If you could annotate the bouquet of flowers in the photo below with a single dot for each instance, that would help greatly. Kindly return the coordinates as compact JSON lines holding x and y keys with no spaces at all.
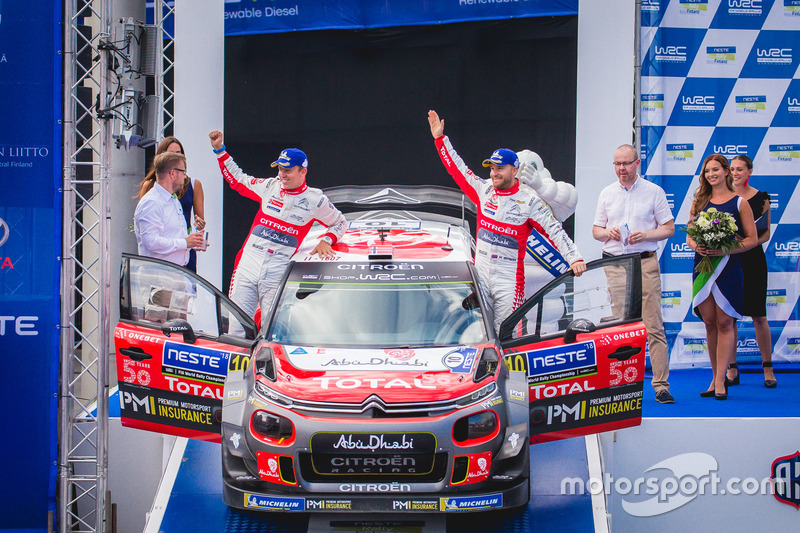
{"x":715,"y":230}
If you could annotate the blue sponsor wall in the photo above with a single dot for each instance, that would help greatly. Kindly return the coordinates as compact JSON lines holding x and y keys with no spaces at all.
{"x":30,"y":243}
{"x":247,"y":17}
{"x":721,"y":76}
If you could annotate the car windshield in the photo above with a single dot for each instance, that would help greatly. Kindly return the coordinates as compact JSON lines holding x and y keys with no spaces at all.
{"x":378,"y":314}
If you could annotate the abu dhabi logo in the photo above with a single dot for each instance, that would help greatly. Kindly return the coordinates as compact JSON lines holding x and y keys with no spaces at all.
{"x":4,"y":232}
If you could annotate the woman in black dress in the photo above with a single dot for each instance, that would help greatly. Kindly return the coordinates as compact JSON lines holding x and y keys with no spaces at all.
{"x":754,"y":268}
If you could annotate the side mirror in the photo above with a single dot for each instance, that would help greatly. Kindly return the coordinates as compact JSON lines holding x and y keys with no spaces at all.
{"x":579,"y":325}
{"x":179,"y":325}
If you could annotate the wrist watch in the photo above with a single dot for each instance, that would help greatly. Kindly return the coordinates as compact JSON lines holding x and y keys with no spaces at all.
{"x":327,"y":239}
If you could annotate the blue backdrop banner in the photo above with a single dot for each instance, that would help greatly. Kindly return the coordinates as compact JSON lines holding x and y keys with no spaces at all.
{"x":30,"y":246}
{"x":243,"y":17}
{"x":722,"y":78}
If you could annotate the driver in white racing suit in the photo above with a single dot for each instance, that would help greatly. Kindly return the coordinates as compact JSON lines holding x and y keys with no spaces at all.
{"x":289,"y":208}
{"x":507,"y":213}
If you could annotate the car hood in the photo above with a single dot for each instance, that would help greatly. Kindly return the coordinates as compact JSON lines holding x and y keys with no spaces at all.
{"x":396,"y":375}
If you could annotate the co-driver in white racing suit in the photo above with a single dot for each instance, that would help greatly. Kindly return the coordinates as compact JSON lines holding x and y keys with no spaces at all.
{"x":507,"y":214}
{"x":289,"y":207}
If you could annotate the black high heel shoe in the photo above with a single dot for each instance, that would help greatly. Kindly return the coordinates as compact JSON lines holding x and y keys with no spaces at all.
{"x":708,"y":393}
{"x":734,"y":381}
{"x":724,"y":395}
{"x":769,"y":383}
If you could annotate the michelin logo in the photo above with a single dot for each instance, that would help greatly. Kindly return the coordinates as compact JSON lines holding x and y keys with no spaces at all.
{"x":472,"y":503}
{"x":253,"y":501}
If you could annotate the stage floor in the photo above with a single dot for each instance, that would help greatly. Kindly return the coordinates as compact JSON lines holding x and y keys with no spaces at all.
{"x":750,"y":399}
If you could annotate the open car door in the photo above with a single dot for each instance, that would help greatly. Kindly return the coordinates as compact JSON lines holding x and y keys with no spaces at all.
{"x":176,"y":340}
{"x":581,"y":342}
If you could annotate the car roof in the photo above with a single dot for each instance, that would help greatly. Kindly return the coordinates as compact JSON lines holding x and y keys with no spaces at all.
{"x":395,"y":235}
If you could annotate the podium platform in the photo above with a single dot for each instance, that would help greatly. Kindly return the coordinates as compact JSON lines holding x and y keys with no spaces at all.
{"x":190,"y":500}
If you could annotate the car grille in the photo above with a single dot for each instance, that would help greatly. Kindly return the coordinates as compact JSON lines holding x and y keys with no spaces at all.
{"x":385,"y":463}
{"x":362,"y":456}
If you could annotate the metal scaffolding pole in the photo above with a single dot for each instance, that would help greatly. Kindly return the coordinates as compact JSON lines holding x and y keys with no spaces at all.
{"x":83,"y":405}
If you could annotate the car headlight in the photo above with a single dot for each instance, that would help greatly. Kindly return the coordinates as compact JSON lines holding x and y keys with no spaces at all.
{"x":484,"y":392}
{"x":475,"y":428}
{"x":265,"y":363}
{"x":487,"y":365}
{"x":272,"y":426}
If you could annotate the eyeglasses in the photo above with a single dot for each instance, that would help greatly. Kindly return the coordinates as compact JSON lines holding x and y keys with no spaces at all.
{"x":179,"y":170}
{"x":624,"y":163}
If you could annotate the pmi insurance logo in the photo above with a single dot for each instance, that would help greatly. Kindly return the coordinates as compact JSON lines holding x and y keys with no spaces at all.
{"x":693,"y":7}
{"x":791,"y":8}
{"x":784,"y":152}
{"x":680,"y":152}
{"x":720,"y":54}
{"x":751,"y":104}
{"x":652,"y":102}
{"x":785,"y":475}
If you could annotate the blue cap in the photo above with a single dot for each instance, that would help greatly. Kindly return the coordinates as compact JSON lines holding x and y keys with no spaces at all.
{"x":291,"y":157}
{"x":502,"y":156}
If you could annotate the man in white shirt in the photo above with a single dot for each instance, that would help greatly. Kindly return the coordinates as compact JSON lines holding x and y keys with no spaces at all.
{"x":632,"y":217}
{"x":158,"y":220}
